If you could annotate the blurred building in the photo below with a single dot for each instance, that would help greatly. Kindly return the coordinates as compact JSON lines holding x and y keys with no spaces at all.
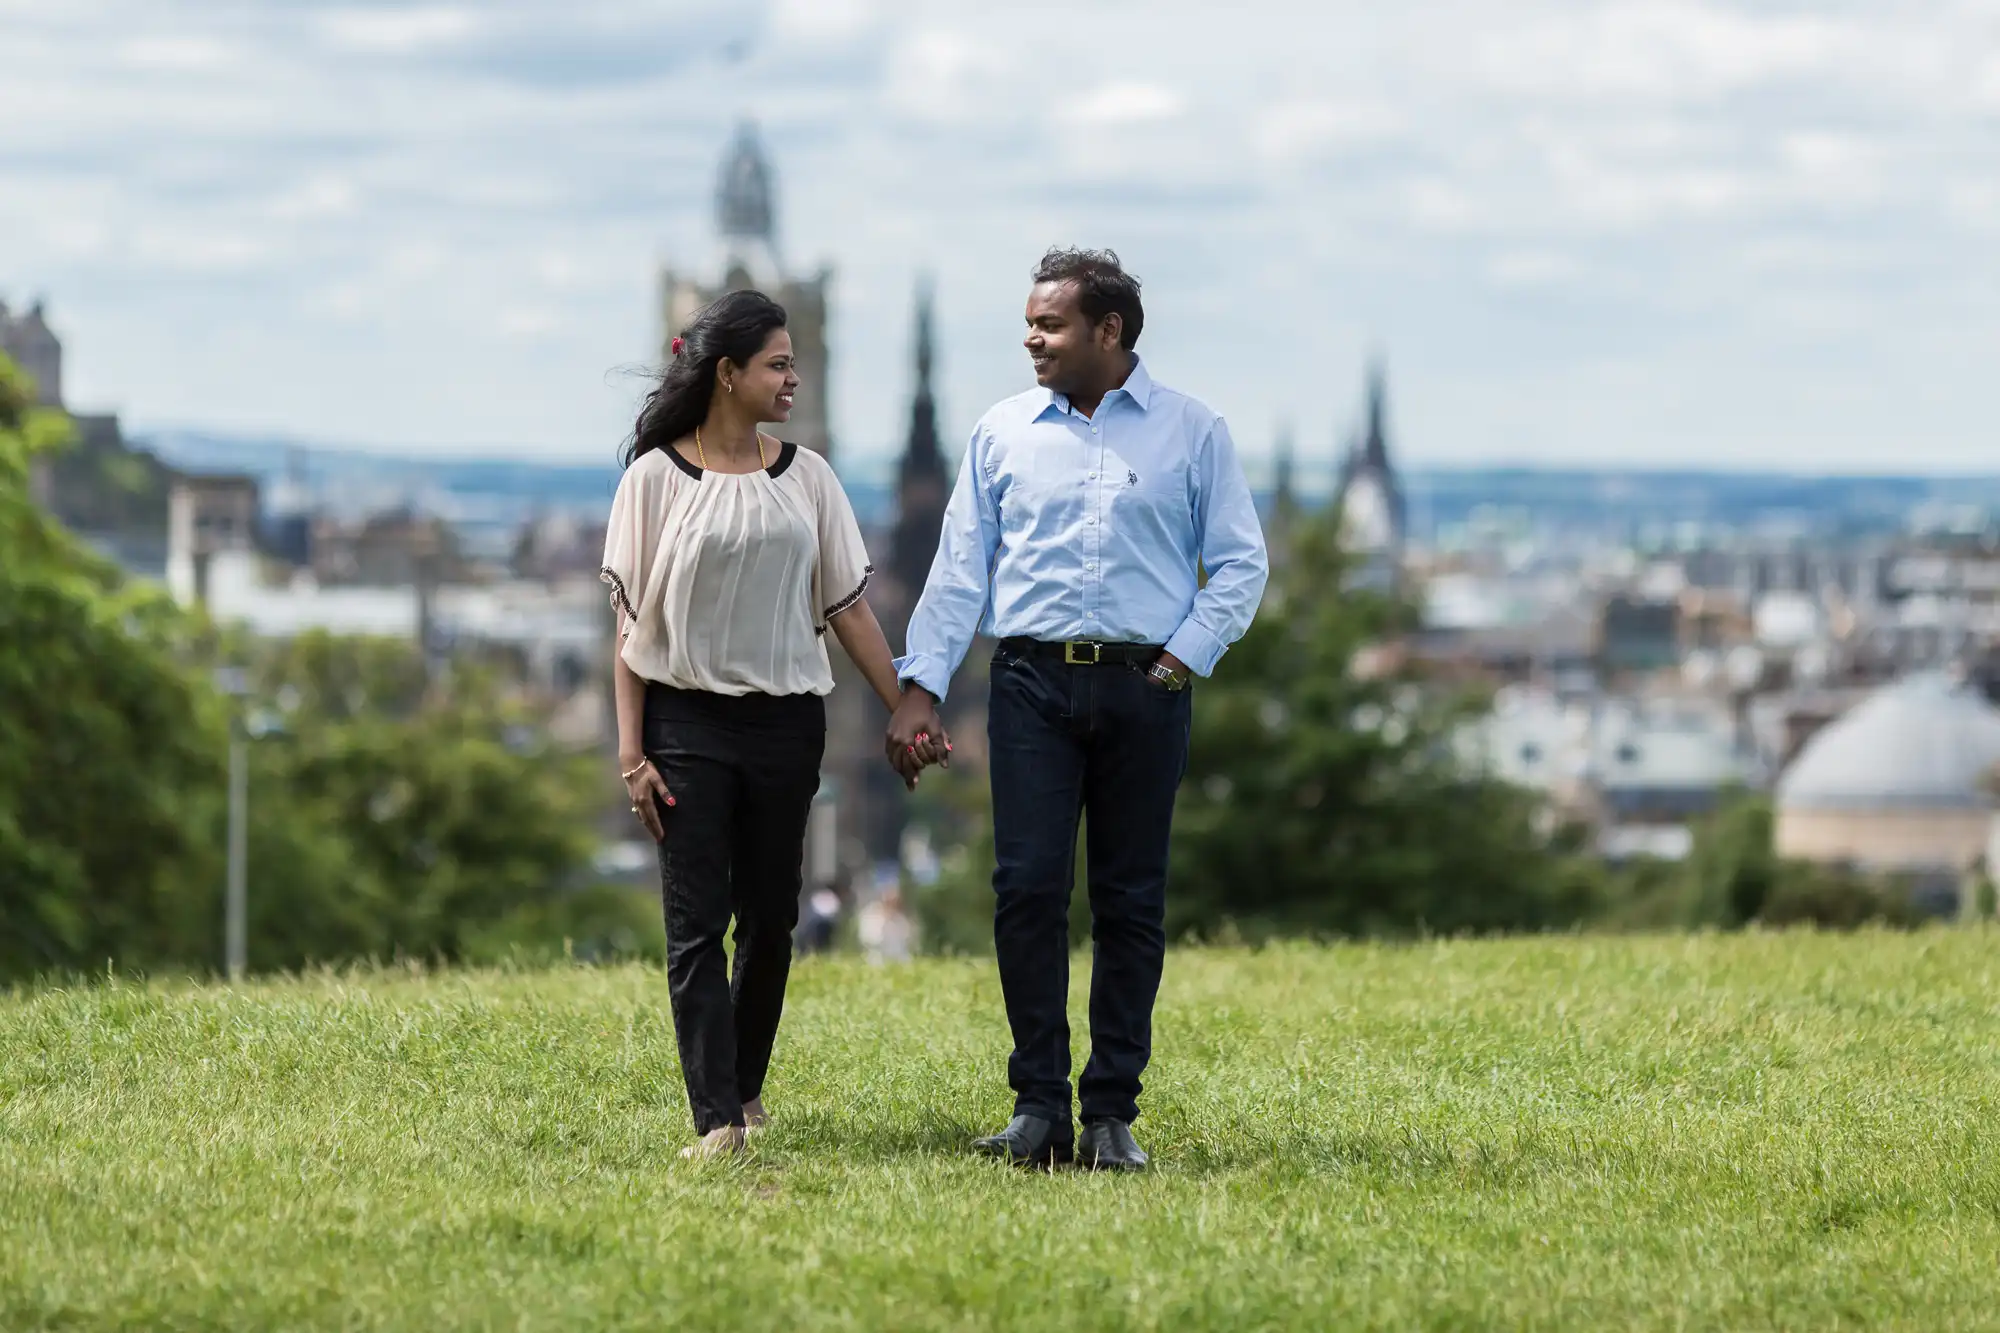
{"x":746,"y":214}
{"x":1639,"y":772}
{"x":1374,"y":518}
{"x":110,"y":494}
{"x":29,"y":343}
{"x":1900,"y":784}
{"x":206,"y":517}
{"x":551,"y":547}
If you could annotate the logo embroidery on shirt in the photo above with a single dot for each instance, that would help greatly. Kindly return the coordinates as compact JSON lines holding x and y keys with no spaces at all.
{"x":1131,"y":479}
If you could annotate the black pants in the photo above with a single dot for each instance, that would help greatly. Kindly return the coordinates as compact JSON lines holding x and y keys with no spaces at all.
{"x":743,"y":772}
{"x":1066,"y":740}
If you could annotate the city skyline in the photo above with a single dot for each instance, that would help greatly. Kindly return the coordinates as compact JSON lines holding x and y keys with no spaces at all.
{"x":1583,"y":234}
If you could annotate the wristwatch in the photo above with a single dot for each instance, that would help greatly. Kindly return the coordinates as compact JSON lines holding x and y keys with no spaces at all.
{"x":1175,"y":681}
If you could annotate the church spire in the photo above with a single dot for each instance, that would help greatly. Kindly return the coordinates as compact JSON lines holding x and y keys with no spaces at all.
{"x":1373,"y":513}
{"x":923,"y":459}
{"x":1375,"y":446}
{"x":746,"y":213}
{"x":743,"y":193}
{"x":924,"y":337}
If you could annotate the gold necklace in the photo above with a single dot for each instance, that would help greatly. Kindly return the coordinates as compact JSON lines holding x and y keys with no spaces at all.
{"x":761,"y":464}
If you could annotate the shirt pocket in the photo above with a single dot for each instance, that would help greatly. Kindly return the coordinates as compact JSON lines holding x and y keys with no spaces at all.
{"x":1157,"y":495}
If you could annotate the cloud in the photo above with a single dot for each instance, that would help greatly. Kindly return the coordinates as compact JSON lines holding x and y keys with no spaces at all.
{"x":180,"y":54}
{"x":1305,"y":128}
{"x":315,"y":199}
{"x":461,"y":207}
{"x":397,"y":31}
{"x":1126,"y":104}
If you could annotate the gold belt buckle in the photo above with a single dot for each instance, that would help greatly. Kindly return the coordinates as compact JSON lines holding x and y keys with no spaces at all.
{"x":1071,"y":647}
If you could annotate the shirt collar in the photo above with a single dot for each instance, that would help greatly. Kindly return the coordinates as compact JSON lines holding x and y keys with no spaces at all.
{"x":1138,"y":386}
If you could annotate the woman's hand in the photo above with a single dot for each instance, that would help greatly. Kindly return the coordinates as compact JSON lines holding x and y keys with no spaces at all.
{"x":915,"y":738}
{"x":646,"y":787}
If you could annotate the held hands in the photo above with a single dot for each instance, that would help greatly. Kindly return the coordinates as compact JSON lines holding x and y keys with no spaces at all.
{"x":648,"y":791}
{"x":915,"y":739}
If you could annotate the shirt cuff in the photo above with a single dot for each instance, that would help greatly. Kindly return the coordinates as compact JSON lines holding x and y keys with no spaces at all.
{"x":925,"y":670}
{"x":1197,"y":647}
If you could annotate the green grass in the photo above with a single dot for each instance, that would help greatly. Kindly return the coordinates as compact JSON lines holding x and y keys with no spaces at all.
{"x":1793,"y":1131}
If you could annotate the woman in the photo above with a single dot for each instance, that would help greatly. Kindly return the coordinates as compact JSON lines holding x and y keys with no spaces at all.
{"x":729,"y":555}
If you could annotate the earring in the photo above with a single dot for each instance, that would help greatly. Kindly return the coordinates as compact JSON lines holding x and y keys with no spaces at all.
{"x":729,"y":386}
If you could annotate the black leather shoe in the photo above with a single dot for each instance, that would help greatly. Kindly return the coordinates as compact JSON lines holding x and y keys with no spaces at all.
{"x":1107,"y":1146}
{"x":1029,"y":1140}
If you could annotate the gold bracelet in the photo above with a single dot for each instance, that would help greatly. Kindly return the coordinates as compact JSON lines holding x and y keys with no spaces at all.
{"x":627,"y":777}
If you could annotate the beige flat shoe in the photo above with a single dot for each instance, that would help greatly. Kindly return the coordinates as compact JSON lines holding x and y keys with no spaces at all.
{"x":755,"y":1117}
{"x":725,"y":1142}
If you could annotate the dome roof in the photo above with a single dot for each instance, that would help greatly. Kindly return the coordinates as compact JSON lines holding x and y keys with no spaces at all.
{"x":1925,"y":743}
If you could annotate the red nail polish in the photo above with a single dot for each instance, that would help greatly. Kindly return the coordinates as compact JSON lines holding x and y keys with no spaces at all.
{"x":670,"y":800}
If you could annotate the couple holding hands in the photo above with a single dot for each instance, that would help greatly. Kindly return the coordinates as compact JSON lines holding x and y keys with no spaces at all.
{"x":1100,"y":530}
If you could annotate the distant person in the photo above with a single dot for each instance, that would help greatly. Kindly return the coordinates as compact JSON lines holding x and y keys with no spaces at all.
{"x":884,"y":930}
{"x":1085,"y":514}
{"x":818,"y":921}
{"x":729,"y":555}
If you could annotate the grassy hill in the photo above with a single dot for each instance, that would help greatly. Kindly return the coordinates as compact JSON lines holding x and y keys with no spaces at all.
{"x":1756,"y":1131}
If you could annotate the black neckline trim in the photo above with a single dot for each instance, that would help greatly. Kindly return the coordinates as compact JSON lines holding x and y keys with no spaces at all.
{"x":787,"y":451}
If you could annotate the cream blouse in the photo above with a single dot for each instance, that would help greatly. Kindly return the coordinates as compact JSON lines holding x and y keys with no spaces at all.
{"x":726,"y":582}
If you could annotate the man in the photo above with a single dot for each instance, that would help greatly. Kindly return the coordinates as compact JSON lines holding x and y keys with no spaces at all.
{"x":1083,"y":517}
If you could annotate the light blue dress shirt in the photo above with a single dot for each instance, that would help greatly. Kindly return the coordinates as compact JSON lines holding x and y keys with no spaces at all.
{"x":1063,"y":526}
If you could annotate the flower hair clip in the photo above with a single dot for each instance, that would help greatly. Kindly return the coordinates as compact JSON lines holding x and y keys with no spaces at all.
{"x":678,"y":344}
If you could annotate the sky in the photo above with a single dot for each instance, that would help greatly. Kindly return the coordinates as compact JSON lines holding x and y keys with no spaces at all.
{"x":1729,"y":233}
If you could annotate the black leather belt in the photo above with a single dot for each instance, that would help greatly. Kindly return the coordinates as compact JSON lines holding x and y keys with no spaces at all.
{"x":1086,"y":652}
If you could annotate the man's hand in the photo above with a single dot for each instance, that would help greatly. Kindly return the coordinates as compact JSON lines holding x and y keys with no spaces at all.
{"x":1175,"y":665}
{"x":915,"y":738}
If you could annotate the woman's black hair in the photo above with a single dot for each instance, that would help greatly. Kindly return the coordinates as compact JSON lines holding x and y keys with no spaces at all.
{"x":735,"y":326}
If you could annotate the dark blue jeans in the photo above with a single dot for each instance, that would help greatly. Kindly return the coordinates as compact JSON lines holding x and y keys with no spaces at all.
{"x":1066,"y":740}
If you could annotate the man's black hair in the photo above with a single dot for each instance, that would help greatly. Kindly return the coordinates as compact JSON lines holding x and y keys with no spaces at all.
{"x":1103,"y":287}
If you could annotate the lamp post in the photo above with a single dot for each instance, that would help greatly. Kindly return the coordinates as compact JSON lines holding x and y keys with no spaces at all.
{"x":243,"y":728}
{"x":235,"y":682}
{"x":236,"y":901}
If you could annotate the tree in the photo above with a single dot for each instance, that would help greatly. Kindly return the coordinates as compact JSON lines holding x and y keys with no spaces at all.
{"x":395,"y":814}
{"x":1325,"y":799}
{"x":451,"y":807}
{"x":107,"y":746}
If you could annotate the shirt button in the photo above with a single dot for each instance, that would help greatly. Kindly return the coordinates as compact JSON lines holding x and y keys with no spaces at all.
{"x":1092,"y":520}
{"x":1093,"y":430}
{"x":1091,"y":568}
{"x":1093,"y":476}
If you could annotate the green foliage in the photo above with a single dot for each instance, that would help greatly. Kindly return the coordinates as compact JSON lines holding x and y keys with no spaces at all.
{"x":107,"y":746}
{"x":390,"y":814}
{"x":450,"y":810}
{"x":1325,"y":800}
{"x":602,"y":923}
{"x":1734,"y":877}
{"x":1734,"y":869}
